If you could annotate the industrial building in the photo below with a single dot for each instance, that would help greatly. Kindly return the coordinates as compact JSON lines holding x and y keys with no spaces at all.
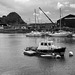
{"x":67,"y":21}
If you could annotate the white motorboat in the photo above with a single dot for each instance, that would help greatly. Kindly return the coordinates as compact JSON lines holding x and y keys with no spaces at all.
{"x":29,"y":52}
{"x":47,"y":55}
{"x":61,"y":34}
{"x":47,"y":47}
{"x":34,"y":34}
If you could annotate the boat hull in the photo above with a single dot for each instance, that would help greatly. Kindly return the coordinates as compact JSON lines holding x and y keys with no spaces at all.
{"x":33,"y":35}
{"x":60,"y":51}
{"x":30,"y":51}
{"x":61,"y":34}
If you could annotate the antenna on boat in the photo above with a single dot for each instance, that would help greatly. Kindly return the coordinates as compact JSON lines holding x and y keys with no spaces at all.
{"x":35,"y":17}
{"x":60,"y":18}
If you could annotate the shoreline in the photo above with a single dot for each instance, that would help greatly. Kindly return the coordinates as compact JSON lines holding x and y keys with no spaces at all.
{"x":29,"y":30}
{"x":14,"y":31}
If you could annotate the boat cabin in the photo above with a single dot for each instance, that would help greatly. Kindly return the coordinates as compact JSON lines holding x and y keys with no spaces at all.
{"x":45,"y":45}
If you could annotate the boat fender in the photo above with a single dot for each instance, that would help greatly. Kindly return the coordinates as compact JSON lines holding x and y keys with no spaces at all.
{"x":58,"y":56}
{"x":53,"y":54}
{"x":70,"y":53}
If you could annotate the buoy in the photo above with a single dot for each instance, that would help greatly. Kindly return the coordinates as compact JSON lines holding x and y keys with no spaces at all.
{"x":58,"y":56}
{"x":70,"y":53}
{"x":53,"y":54}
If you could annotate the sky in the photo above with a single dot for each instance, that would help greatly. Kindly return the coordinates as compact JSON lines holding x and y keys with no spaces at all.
{"x":26,"y":9}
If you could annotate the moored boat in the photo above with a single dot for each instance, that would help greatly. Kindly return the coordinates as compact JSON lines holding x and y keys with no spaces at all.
{"x":45,"y":49}
{"x":34,"y":34}
{"x":73,"y":35}
{"x":61,"y":34}
{"x":29,"y":52}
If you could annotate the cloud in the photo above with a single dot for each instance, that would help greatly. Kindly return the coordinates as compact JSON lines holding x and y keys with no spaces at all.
{"x":59,"y":5}
{"x":35,"y":14}
{"x":63,"y":4}
{"x":22,"y":1}
{"x":40,"y":12}
{"x":66,"y":4}
{"x":46,"y":12}
{"x":26,"y":7}
{"x":66,"y":10}
{"x":72,"y":5}
{"x":5,"y":9}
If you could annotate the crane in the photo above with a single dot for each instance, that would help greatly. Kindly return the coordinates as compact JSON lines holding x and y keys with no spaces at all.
{"x":46,"y":15}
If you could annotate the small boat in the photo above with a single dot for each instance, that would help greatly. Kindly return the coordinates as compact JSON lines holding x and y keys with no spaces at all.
{"x":34,"y":34}
{"x":61,"y":34}
{"x":47,"y":56}
{"x":45,"y":49}
{"x":29,"y":53}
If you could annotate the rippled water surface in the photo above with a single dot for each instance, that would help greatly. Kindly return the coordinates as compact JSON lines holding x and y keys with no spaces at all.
{"x":13,"y":62}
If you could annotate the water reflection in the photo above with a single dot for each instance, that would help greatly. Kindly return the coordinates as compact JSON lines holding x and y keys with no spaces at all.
{"x":49,"y":66}
{"x":11,"y":56}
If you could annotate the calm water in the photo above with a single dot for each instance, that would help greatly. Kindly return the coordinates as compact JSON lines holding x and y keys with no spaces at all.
{"x":13,"y":62}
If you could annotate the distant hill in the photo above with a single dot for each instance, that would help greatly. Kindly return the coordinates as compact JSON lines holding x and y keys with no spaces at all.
{"x":11,"y":19}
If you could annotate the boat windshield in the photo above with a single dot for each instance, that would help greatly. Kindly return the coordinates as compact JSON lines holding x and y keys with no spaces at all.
{"x":45,"y":44}
{"x":42,"y":43}
{"x":49,"y":44}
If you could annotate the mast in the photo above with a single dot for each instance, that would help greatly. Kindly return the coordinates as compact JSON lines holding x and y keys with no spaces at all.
{"x":35,"y":17}
{"x":60,"y":18}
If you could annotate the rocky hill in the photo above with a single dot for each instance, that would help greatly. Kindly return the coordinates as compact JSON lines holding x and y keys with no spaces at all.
{"x":11,"y":19}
